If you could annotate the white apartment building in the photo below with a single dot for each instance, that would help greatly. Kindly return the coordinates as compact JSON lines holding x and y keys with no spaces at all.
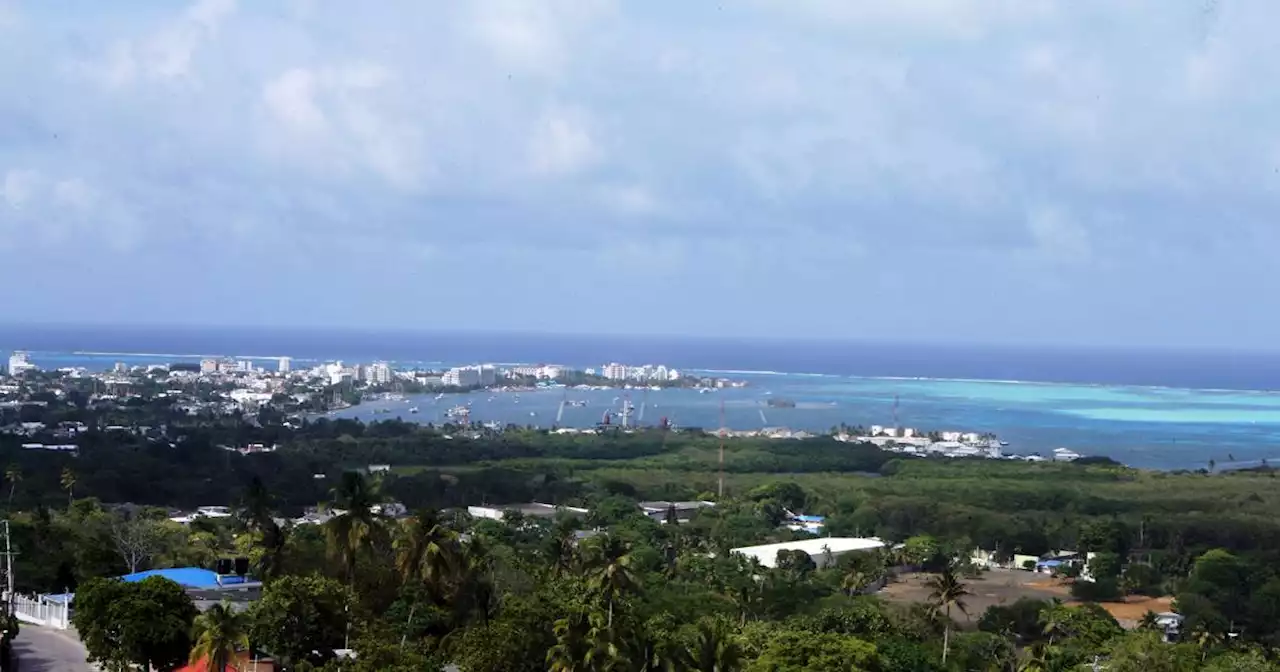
{"x":378,"y":373}
{"x":468,"y":376}
{"x":286,"y":365}
{"x":614,"y":371}
{"x":19,"y":364}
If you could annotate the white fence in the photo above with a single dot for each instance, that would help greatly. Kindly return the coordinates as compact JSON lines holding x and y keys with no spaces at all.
{"x":43,"y":611}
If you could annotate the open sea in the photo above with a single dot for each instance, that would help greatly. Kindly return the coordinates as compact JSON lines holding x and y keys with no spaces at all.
{"x":1152,"y":409}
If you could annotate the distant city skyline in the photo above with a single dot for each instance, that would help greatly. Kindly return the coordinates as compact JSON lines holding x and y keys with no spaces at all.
{"x":924,"y":170}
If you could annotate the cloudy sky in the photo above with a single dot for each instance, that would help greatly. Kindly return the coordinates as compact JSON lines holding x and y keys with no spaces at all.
{"x":1028,"y":171}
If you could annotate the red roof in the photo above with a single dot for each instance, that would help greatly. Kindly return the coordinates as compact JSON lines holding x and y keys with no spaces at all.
{"x":201,"y":666}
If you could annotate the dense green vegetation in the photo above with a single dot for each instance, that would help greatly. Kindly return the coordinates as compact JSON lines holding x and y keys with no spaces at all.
{"x":527,"y":594}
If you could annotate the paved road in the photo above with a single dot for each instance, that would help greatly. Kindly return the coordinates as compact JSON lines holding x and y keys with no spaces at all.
{"x":40,"y":649}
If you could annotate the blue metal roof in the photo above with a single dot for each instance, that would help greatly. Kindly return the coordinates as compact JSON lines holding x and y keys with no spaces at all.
{"x":187,"y":577}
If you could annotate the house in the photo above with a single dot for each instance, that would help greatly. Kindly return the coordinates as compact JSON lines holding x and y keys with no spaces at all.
{"x":245,"y":663}
{"x":684,"y":510}
{"x":1170,"y":623}
{"x":824,"y":551}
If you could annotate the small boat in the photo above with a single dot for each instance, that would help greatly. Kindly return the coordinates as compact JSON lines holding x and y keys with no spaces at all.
{"x":413,"y":410}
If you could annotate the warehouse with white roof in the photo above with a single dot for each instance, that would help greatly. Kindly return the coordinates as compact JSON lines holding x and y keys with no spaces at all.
{"x":824,"y":550}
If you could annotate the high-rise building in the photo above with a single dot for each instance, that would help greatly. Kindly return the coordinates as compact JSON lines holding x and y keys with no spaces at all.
{"x":19,"y":364}
{"x":470,"y":376}
{"x":378,"y":373}
{"x":285,"y":364}
{"x":615,"y":371}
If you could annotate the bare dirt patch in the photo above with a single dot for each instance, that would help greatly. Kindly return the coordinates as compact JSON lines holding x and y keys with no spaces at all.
{"x":1004,"y":586}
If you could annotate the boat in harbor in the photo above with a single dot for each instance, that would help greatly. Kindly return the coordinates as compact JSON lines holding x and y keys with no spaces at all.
{"x":413,"y":409}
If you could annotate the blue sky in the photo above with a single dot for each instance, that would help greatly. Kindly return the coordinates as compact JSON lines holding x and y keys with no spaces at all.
{"x":1027,"y":171}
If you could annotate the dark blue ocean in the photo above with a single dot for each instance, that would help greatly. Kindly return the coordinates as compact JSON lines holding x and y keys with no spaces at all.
{"x":1148,"y":408}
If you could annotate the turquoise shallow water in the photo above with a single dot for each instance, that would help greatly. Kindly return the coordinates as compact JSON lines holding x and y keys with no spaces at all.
{"x":1163,"y":428}
{"x":1170,"y":427}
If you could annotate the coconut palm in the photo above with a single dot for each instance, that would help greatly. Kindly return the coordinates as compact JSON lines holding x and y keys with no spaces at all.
{"x":580,"y":644}
{"x":1149,"y":621}
{"x":255,"y":514}
{"x":854,"y":581}
{"x":357,"y":527}
{"x":472,"y":588}
{"x":712,"y":649}
{"x":426,"y":549}
{"x":946,"y":592}
{"x":13,"y":474}
{"x":68,"y":482}
{"x":1053,"y":620}
{"x":561,"y":546}
{"x":220,"y":633}
{"x":609,"y":572}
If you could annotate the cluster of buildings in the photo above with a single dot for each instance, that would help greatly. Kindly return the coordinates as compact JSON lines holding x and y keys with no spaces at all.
{"x":19,"y":364}
{"x":647,"y":372}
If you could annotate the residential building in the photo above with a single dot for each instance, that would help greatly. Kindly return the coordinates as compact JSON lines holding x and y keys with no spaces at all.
{"x":378,"y":373}
{"x":286,"y":365}
{"x":614,"y":371}
{"x":470,"y":376}
{"x":19,"y":364}
{"x":208,"y":366}
{"x":683,"y":510}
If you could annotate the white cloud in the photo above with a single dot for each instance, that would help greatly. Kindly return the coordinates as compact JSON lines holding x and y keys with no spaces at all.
{"x":561,"y":144}
{"x":530,"y":36}
{"x":337,"y":120}
{"x":19,"y":187}
{"x":75,"y":193}
{"x":630,"y":199}
{"x":934,"y":18}
{"x":1056,"y":236}
{"x":166,"y":54}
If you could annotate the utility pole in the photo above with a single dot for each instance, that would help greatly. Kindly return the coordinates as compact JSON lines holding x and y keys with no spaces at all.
{"x":8,"y":571}
{"x":720,"y":488}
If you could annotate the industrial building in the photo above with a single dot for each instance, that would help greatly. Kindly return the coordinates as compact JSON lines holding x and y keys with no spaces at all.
{"x":824,"y":551}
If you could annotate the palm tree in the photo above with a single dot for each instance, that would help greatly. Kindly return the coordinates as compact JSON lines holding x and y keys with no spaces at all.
{"x":1052,"y":618}
{"x":220,"y":634}
{"x":357,"y":528}
{"x":69,"y":484}
{"x":1036,"y":659}
{"x":472,"y":585}
{"x":255,"y":515}
{"x":561,"y":545}
{"x":946,"y":592}
{"x":426,"y":549}
{"x":609,"y":572}
{"x":1149,"y":621}
{"x":573,"y":648}
{"x":13,"y":474}
{"x":712,"y":649}
{"x":853,"y":582}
